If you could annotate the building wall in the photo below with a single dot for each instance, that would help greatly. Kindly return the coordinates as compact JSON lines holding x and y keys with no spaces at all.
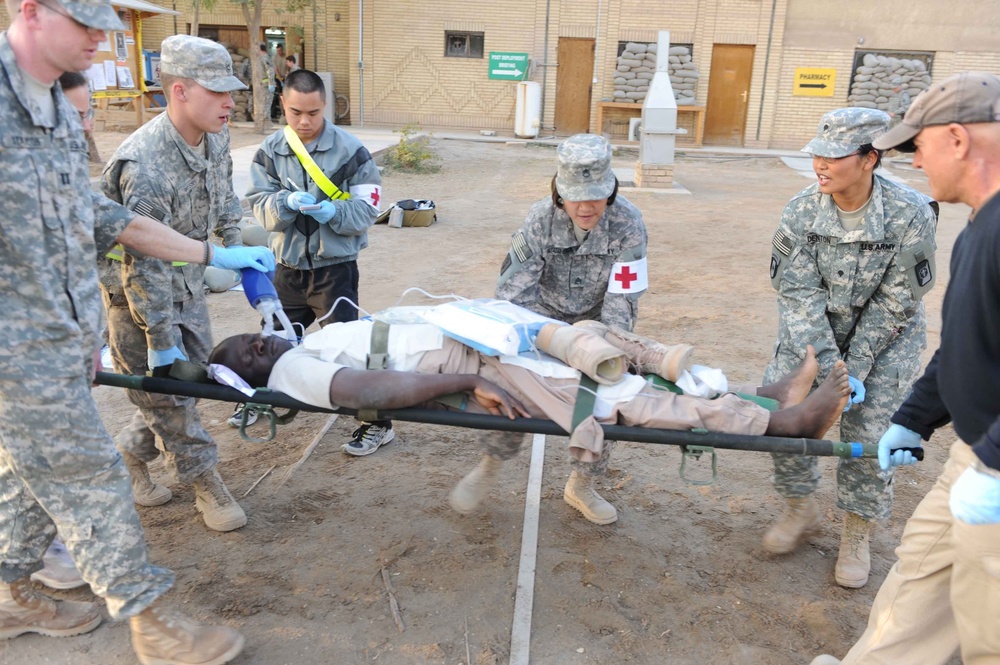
{"x":407,"y":78}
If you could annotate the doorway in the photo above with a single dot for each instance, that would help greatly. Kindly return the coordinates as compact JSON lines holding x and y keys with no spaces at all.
{"x":573,"y":85}
{"x":728,"y":94}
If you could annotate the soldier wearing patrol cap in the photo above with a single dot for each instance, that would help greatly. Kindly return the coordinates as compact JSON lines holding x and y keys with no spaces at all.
{"x":580,"y":255}
{"x":851,"y":259}
{"x":178,"y":169}
{"x":59,"y":469}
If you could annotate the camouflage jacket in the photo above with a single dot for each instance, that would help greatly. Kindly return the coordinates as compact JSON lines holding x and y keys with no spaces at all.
{"x":301,"y":242}
{"x":851,"y":293}
{"x":52,"y":227}
{"x":156,"y":173}
{"x":548,"y":271}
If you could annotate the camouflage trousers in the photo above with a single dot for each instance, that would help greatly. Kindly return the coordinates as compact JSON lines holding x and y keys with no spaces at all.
{"x":164,"y":423}
{"x":862,"y":487}
{"x":60,"y":472}
{"x":505,"y":445}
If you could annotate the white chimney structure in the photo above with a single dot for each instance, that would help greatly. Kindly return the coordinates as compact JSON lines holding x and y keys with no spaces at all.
{"x":655,"y":168}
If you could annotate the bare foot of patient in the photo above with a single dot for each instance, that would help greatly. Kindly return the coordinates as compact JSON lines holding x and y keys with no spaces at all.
{"x":817,"y":413}
{"x":793,"y":387}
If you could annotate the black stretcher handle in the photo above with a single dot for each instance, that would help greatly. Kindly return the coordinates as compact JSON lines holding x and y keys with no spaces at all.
{"x":916,"y":451}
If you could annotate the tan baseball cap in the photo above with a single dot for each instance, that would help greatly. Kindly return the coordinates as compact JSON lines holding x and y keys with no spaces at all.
{"x":965,"y":98}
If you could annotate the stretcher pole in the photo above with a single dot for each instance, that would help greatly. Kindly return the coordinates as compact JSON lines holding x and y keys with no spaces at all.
{"x":770,"y":444}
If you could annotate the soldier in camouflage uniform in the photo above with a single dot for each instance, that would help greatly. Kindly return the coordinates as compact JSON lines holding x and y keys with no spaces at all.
{"x":851,"y":260}
{"x":59,"y":471}
{"x":178,"y":169}
{"x":580,"y":255}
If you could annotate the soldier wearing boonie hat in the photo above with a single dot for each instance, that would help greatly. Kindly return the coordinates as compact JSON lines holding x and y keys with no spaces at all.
{"x":580,"y":254}
{"x":178,"y":169}
{"x":940,"y":598}
{"x":851,"y":259}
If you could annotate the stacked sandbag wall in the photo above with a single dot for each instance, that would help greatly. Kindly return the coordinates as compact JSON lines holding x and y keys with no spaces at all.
{"x":637,"y":65}
{"x":876,"y":77}
{"x":241,"y":98}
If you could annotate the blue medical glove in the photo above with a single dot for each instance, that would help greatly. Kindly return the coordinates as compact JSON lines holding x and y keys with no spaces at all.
{"x":975,"y":498}
{"x":163,"y":357}
{"x":237,"y":258}
{"x":296,"y":200}
{"x":857,"y":392}
{"x":894,"y":438}
{"x":324,"y":213}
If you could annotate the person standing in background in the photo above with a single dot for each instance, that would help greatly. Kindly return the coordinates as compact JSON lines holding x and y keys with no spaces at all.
{"x":317,"y":189}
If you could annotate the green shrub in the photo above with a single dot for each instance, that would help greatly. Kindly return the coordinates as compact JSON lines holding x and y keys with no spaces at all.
{"x":412,"y":154}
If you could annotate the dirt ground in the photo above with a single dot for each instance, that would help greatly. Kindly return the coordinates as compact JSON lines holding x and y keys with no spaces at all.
{"x":680,"y":579}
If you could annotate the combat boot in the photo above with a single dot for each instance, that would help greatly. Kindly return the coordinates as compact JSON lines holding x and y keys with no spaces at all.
{"x":23,"y":610}
{"x":165,"y":637}
{"x":216,"y":505}
{"x":59,"y":571}
{"x":801,"y":516}
{"x":144,"y":491}
{"x":580,"y":493}
{"x":646,"y":355}
{"x":854,"y":561}
{"x":470,"y":491}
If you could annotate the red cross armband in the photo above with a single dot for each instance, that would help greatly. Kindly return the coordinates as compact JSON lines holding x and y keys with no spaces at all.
{"x":370,"y":194}
{"x":628,"y":277}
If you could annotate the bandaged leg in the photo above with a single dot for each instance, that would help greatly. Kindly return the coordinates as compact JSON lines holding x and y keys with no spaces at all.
{"x":646,"y":355}
{"x":583,"y":350}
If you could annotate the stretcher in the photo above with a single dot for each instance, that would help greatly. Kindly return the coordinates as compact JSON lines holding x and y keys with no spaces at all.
{"x":692,"y":443}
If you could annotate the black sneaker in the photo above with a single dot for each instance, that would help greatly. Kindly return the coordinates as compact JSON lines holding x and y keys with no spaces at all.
{"x":237,"y":417}
{"x":368,"y":438}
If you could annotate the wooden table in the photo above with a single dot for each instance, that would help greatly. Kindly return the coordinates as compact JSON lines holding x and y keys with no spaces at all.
{"x":699,"y":120}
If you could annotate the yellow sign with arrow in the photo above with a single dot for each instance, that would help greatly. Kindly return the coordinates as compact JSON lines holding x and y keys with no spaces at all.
{"x":814,"y":81}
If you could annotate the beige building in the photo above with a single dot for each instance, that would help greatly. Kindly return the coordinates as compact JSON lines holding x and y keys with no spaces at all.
{"x":765,"y":71}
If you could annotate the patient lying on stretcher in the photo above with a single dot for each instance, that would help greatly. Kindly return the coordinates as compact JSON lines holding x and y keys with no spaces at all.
{"x":327,"y":370}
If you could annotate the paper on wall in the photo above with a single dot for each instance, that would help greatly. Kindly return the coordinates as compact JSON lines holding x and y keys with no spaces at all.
{"x":96,"y":75}
{"x":110,"y":76}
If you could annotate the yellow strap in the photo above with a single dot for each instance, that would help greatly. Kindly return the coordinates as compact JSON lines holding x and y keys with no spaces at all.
{"x":117,"y":253}
{"x":312,"y":168}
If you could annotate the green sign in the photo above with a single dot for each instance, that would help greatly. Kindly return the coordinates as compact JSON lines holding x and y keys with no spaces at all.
{"x":508,"y":66}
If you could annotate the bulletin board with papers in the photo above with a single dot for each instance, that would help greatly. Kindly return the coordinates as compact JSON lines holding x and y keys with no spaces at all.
{"x":117,"y":77}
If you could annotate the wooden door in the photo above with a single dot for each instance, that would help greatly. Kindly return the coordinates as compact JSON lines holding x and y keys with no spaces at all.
{"x":728,"y":94}
{"x":573,"y":85}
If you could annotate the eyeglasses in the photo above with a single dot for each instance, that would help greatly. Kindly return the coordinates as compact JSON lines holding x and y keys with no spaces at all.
{"x":87,"y":116}
{"x":834,"y":160}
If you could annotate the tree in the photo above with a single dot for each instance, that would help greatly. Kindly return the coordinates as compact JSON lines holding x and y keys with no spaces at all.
{"x":209,"y":5}
{"x":253,"y":11}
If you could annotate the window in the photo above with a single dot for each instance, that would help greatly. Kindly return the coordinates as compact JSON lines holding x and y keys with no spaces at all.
{"x":463,"y":44}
